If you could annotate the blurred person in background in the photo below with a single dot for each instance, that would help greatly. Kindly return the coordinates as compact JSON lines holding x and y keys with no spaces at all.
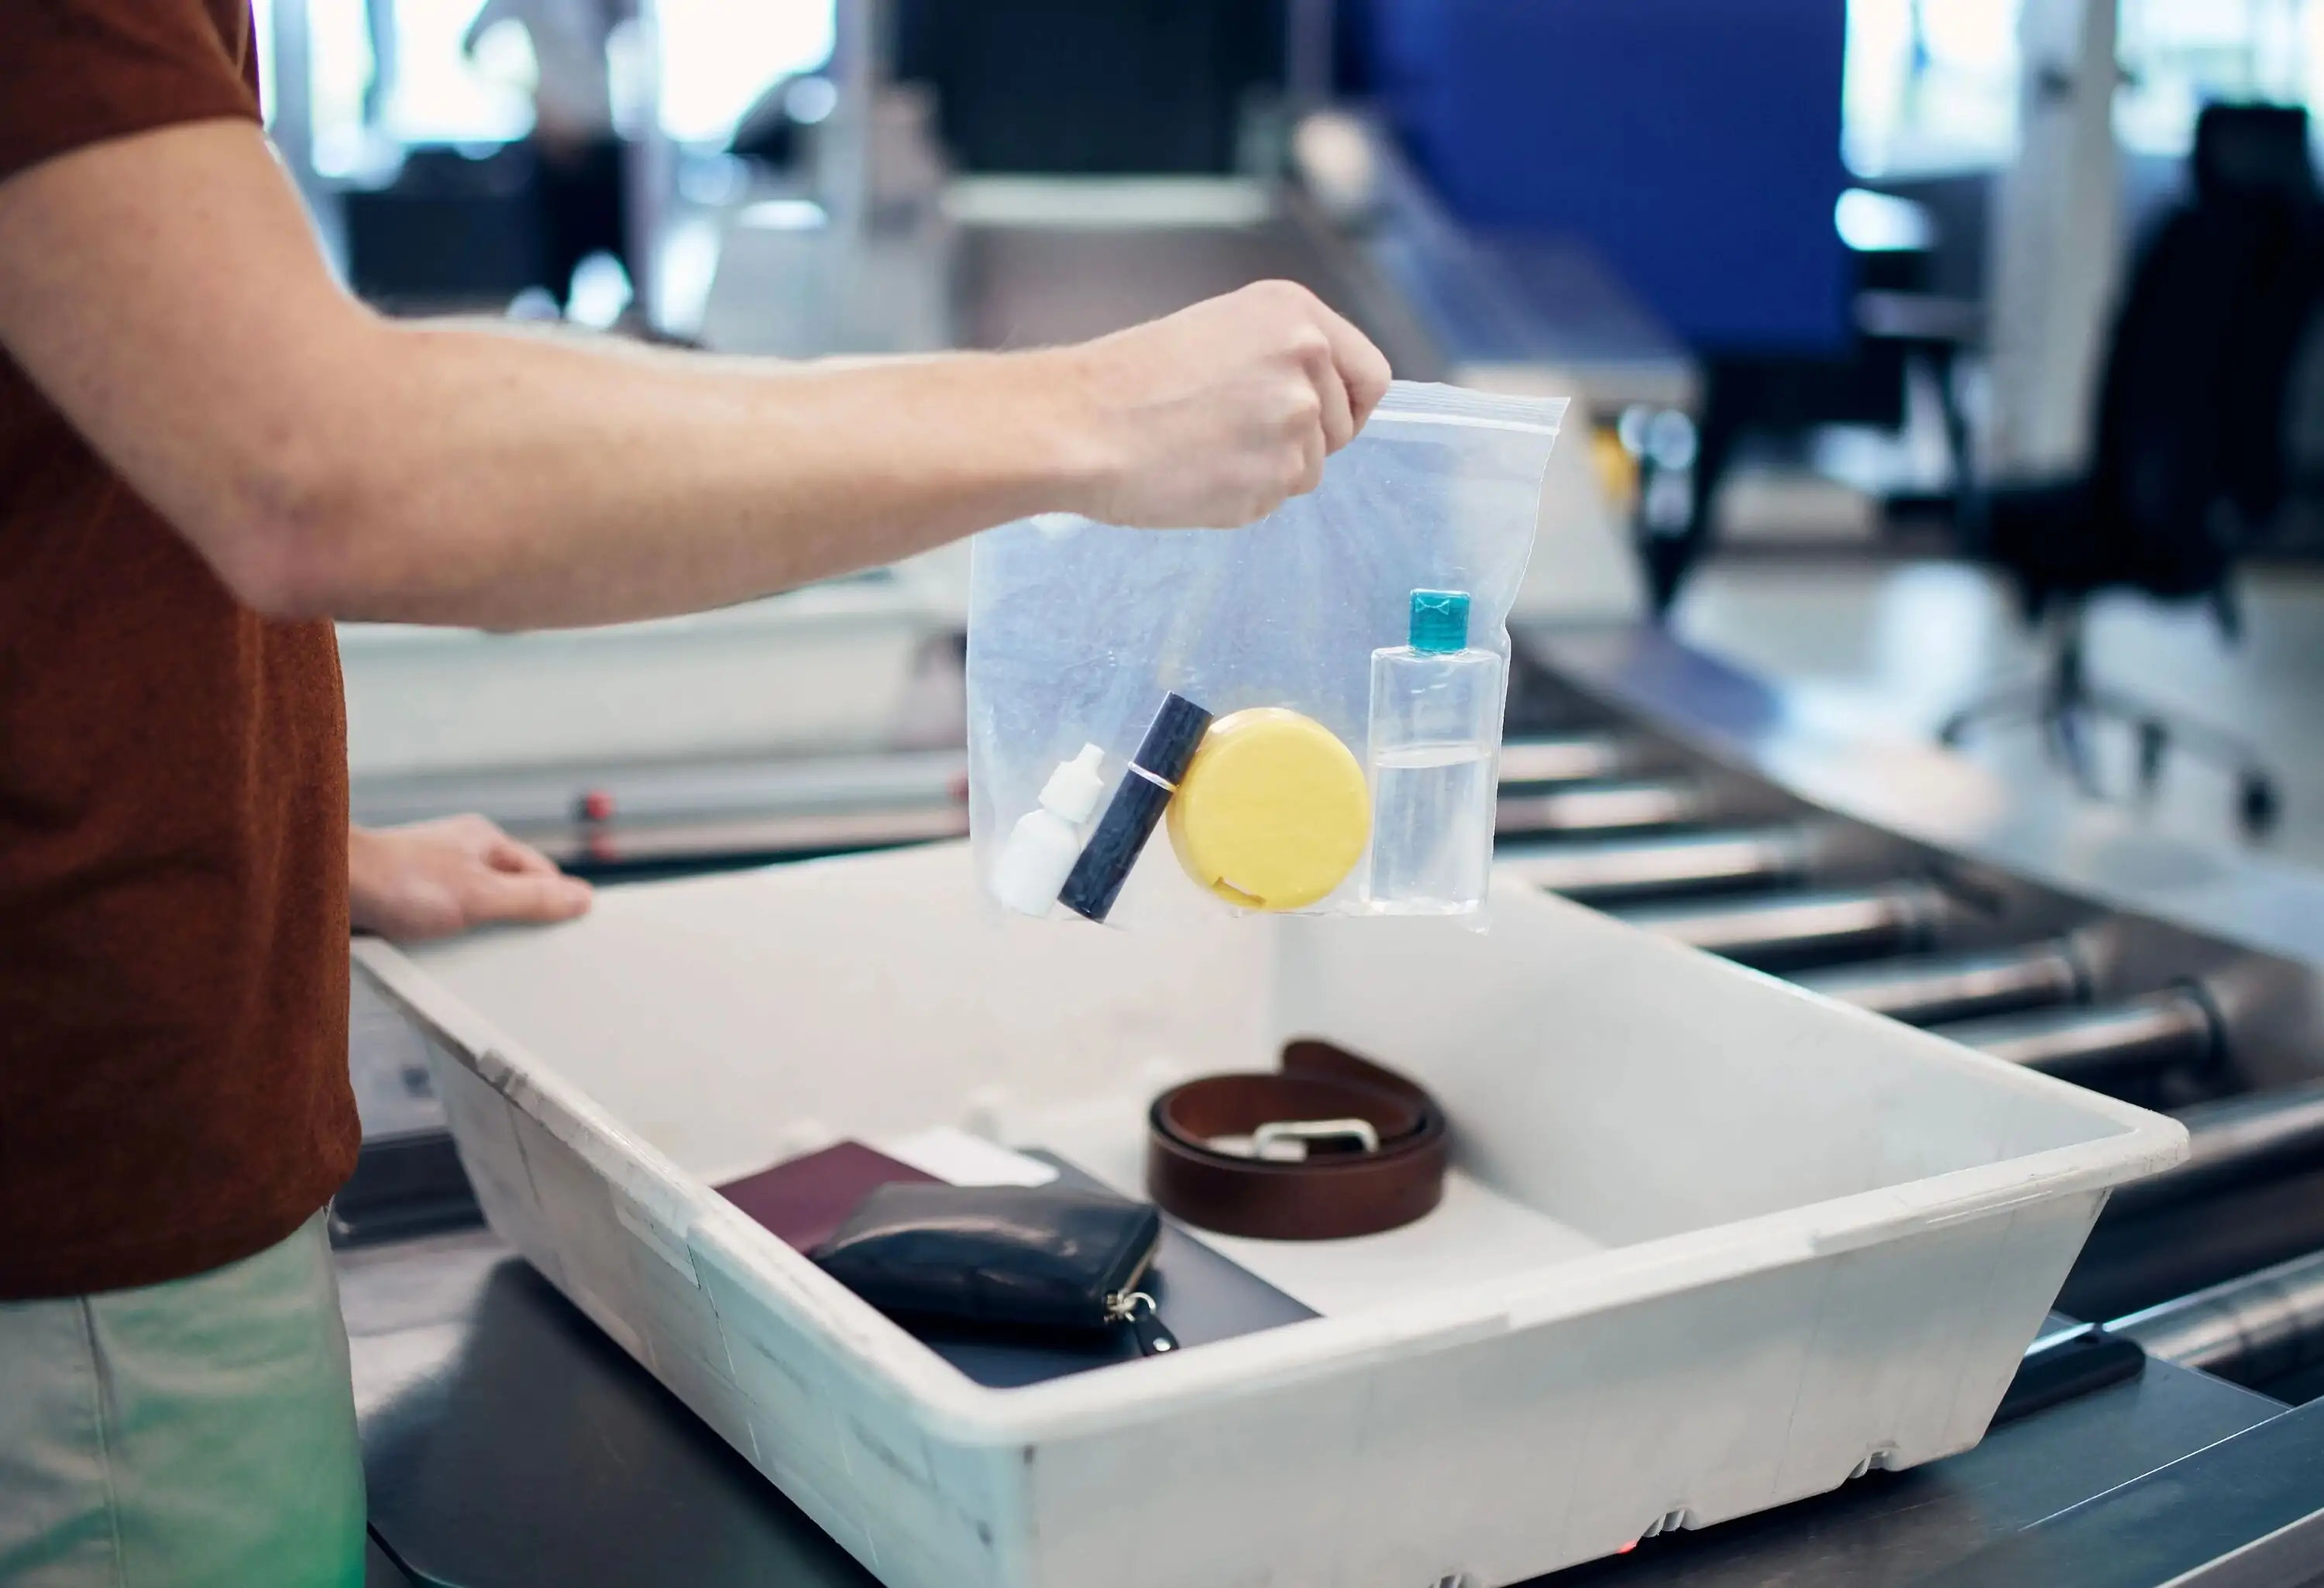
{"x":579,"y":179}
{"x":208,"y":452}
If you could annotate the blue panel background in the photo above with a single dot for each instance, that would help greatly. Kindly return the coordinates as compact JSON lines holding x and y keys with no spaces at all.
{"x":1695,"y":143}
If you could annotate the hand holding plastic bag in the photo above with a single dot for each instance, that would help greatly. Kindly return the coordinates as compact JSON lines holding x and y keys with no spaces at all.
{"x":1309,"y":709}
{"x":1260,"y":385}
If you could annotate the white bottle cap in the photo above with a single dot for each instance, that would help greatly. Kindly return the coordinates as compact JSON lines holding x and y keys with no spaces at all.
{"x":1073,"y":790}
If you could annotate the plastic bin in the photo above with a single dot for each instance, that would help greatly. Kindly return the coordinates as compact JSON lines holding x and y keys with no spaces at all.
{"x":1713,"y":1243}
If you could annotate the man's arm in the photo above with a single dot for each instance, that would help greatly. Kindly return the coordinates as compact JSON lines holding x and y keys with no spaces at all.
{"x":165,"y":292}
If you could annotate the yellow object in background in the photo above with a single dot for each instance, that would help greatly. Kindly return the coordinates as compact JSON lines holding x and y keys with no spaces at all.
{"x":1273,"y":814}
{"x":1618,"y":470}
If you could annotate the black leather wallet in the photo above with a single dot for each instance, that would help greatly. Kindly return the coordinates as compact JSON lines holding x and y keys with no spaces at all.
{"x":1036,"y":1258}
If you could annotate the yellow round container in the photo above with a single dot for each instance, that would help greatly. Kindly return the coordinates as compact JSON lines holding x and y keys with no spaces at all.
{"x":1273,"y":813}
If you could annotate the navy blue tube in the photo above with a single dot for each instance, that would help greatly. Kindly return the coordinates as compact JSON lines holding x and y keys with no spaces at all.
{"x":1136,"y":810}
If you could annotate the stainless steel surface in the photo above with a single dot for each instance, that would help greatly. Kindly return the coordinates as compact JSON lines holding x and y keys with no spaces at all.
{"x":1952,"y":987}
{"x":2163,"y":1030}
{"x":688,"y":811}
{"x":1602,"y":870}
{"x":1570,"y":758}
{"x":511,"y":1446}
{"x":2247,"y":1512}
{"x":508,"y":1443}
{"x":667,"y":791}
{"x":2251,"y":1329}
{"x":1044,"y":276}
{"x":1667,"y":802}
{"x":2234,"y":1142}
{"x":381,"y":1571}
{"x":1807,"y":928}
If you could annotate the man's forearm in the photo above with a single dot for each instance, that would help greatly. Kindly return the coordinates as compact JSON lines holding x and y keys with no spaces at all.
{"x":330,"y":462}
{"x":522,"y":482}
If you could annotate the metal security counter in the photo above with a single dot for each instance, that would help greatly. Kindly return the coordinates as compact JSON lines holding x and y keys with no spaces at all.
{"x":509,"y":1444}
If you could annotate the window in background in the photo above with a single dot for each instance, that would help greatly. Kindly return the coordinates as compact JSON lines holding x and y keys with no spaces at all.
{"x":261,"y":40}
{"x":439,"y":96}
{"x":388,"y":74}
{"x":339,"y":67}
{"x":1931,"y":85}
{"x":2182,"y":54}
{"x":717,"y":58}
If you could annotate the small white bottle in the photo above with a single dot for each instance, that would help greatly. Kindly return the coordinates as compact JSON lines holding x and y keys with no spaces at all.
{"x":1435,"y":722}
{"x":1046,"y":842}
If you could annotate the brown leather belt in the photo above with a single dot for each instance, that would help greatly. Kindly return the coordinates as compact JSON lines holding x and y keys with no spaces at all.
{"x":1330,"y":1146}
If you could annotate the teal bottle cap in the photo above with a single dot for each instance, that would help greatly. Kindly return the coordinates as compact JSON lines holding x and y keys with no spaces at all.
{"x":1440,"y":621}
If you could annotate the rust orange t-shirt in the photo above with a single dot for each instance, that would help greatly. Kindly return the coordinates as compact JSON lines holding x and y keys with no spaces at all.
{"x":174,"y":806}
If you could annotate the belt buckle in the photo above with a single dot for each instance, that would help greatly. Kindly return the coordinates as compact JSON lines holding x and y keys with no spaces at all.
{"x":1291,"y":1141}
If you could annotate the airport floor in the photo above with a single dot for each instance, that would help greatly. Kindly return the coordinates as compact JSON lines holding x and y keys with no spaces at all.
{"x":1880,"y":648}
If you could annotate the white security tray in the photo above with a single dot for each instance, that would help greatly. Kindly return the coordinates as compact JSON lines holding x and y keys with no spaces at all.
{"x":1713,"y":1244}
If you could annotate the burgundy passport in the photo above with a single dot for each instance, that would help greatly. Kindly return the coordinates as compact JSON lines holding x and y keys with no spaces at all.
{"x":804,"y":1201}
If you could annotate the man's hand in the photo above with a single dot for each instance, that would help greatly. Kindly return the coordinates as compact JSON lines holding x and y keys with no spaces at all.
{"x":1211,"y":417}
{"x":437,"y":878}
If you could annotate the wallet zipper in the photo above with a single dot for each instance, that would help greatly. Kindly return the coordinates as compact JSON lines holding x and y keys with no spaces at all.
{"x":1137,"y":1310}
{"x":1134,"y":1308}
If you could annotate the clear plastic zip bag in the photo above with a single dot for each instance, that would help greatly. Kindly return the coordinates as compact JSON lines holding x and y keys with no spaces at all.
{"x":1301,"y":715}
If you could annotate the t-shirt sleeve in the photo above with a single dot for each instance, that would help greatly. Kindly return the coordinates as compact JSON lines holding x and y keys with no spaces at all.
{"x":75,"y":72}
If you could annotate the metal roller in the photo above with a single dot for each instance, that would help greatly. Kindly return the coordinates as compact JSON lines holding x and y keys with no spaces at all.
{"x":1954,"y":987}
{"x":1604,"y":808}
{"x":1569,"y":758}
{"x":1808,"y":928}
{"x":2236,"y":1141}
{"x":2251,"y":1329}
{"x":2163,"y":1031}
{"x":2139,"y":1259}
{"x":1610,"y":869}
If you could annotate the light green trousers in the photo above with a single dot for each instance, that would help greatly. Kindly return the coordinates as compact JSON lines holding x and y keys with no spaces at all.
{"x":200,"y":1434}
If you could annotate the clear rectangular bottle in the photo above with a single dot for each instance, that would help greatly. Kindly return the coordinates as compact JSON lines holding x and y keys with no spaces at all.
{"x":1435,"y":721}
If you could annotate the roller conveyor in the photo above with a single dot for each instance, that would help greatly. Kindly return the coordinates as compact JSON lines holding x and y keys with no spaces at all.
{"x":2250,"y":1194}
{"x":2135,"y":1259}
{"x":2236,"y":1142}
{"x":2168,"y":1030}
{"x":1606,"y":807}
{"x":1808,"y":928}
{"x":1570,"y":758}
{"x":1608,"y":870}
{"x":2252,"y":1329}
{"x":1923,"y":992}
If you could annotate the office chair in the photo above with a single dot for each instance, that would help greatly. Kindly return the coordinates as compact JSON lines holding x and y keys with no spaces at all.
{"x":2190,"y":459}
